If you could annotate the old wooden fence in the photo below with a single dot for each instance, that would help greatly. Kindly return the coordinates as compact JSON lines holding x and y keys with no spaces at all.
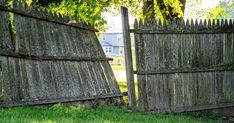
{"x":47,"y":60}
{"x":183,"y":65}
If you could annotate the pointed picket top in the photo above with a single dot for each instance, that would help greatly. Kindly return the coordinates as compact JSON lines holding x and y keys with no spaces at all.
{"x":80,"y":23}
{"x":2,"y":2}
{"x":26,"y":7}
{"x":20,"y":5}
{"x":182,"y":25}
{"x":205,"y":25}
{"x":222,"y":23}
{"x":200,"y":25}
{"x":213,"y":24}
{"x":15,"y":3}
{"x":169,"y":25}
{"x":154,"y":23}
{"x":209,"y":24}
{"x":176,"y":24}
{"x":59,"y":15}
{"x":164,"y":24}
{"x":226,"y":22}
{"x":62,"y":17}
{"x":146,"y":24}
{"x":177,"y":21}
{"x":230,"y":23}
{"x":56,"y":17}
{"x":187,"y":25}
{"x":85,"y":24}
{"x":160,"y":24}
{"x":226,"y":25}
{"x":89,"y":25}
{"x":192,"y":25}
{"x":36,"y":12}
{"x":65,"y":18}
{"x":217,"y":23}
{"x":151,"y":24}
{"x":51,"y":15}
{"x":46,"y":13}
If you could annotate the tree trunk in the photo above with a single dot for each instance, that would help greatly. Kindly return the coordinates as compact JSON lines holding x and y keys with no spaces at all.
{"x":167,"y":12}
{"x":148,"y":9}
{"x":183,"y":2}
{"x":163,"y":9}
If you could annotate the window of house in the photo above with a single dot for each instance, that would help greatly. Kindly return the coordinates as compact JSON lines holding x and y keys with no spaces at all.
{"x":106,"y":49}
{"x":110,"y":50}
{"x":103,"y":38}
{"x":121,"y":52}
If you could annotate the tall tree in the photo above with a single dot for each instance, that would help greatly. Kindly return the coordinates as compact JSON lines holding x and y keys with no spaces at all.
{"x":148,"y":9}
{"x":91,"y":10}
{"x":169,"y":9}
{"x":224,"y":10}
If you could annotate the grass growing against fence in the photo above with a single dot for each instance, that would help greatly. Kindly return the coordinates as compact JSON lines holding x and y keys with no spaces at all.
{"x":59,"y":114}
{"x":72,"y":114}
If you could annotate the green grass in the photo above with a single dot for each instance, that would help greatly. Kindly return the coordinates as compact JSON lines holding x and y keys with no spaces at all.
{"x":123,"y":88}
{"x":76,"y":114}
{"x":118,"y":67}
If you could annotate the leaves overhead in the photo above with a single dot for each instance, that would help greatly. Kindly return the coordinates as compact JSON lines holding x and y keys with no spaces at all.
{"x":223,"y":10}
{"x":89,"y":11}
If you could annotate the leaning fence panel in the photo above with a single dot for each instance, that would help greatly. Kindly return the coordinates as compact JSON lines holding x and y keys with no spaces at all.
{"x":48,"y":60}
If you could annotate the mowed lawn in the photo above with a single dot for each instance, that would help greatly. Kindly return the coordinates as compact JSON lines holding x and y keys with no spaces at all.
{"x":77,"y":114}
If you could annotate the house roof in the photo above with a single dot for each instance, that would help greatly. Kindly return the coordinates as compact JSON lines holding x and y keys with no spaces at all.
{"x":114,"y":42}
{"x":104,"y":43}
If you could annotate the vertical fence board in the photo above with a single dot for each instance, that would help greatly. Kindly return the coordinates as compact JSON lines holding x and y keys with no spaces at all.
{"x":128,"y":59}
{"x":50,"y":61}
{"x":1,"y":81}
{"x":2,"y":2}
{"x":184,"y":65}
{"x":5,"y":37}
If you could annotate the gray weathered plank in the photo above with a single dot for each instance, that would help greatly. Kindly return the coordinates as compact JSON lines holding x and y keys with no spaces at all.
{"x":128,"y":59}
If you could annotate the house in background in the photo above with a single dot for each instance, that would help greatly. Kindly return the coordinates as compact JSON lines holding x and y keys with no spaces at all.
{"x":112,"y":44}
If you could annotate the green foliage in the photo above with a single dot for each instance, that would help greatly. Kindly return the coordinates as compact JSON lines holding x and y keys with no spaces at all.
{"x":77,"y":114}
{"x":224,"y":10}
{"x":135,"y":7}
{"x":89,"y":11}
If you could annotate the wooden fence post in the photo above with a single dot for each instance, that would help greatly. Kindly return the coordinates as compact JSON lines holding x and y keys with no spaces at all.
{"x":2,"y":2}
{"x":128,"y":59}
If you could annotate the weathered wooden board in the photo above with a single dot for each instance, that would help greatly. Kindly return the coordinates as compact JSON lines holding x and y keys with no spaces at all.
{"x":49,"y":61}
{"x":2,"y":2}
{"x":6,"y":45}
{"x":184,"y":65}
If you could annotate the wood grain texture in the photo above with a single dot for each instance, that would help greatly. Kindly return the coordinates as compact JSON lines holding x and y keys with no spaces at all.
{"x":184,"y":65}
{"x":128,"y":59}
{"x":51,"y":62}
